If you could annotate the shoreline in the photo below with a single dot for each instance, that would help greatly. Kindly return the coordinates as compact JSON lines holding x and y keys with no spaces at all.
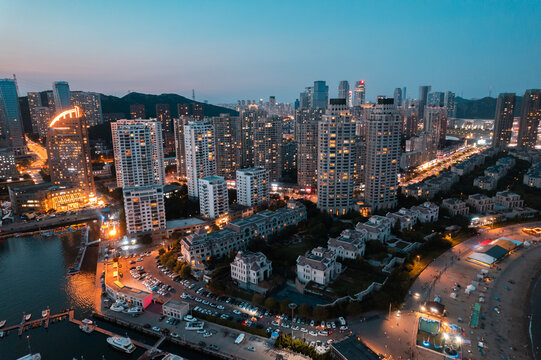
{"x":531,"y":310}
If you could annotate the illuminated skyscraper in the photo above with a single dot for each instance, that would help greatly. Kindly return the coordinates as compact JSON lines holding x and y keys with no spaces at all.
{"x":503,"y":120}
{"x":180,"y":150}
{"x":197,"y":111}
{"x":435,"y":98}
{"x":268,"y":145}
{"x":336,"y":159}
{"x":359,"y":93}
{"x":139,"y":165}
{"x":423,"y":99}
{"x":137,"y":111}
{"x":183,"y":110}
{"x":163,"y":115}
{"x":68,"y":151}
{"x":213,"y":197}
{"x":435,"y":124}
{"x":529,"y":119}
{"x":343,"y":90}
{"x":200,"y":150}
{"x":252,"y":186}
{"x":11,"y":125}
{"x":248,"y":119}
{"x":449,"y":103}
{"x":306,"y":136}
{"x":62,"y":96}
{"x":382,"y":155}
{"x":138,"y":150}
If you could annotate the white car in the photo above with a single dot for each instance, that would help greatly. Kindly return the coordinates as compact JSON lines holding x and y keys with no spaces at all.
{"x":313,"y":333}
{"x":304,"y":330}
{"x":284,"y":325}
{"x":323,"y":333}
{"x":236,"y":312}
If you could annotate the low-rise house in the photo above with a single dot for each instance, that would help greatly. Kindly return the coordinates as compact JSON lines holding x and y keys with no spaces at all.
{"x":319,"y":266}
{"x":175,"y":309}
{"x":533,"y":177}
{"x":485,"y":182}
{"x":480,"y":203}
{"x":248,"y":269}
{"x":377,"y":228}
{"x":427,"y":212}
{"x":496,"y":171}
{"x":508,"y":200}
{"x":455,"y":207}
{"x":405,"y":218}
{"x":350,"y":244}
{"x":507,"y":162}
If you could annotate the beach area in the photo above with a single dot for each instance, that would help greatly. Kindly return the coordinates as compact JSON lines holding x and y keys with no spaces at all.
{"x":507,"y":295}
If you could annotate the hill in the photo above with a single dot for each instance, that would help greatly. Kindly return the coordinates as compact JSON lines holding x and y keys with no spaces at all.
{"x":113,"y":104}
{"x":484,"y":108}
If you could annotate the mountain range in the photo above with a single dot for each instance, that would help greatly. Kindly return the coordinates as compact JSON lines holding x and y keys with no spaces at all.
{"x":484,"y":108}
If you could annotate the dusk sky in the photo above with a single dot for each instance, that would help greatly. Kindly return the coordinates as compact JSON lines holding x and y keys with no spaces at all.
{"x":229,"y":50}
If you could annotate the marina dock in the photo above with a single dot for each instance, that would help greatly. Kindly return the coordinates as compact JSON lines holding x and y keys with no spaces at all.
{"x":82,"y":251}
{"x":41,"y":322}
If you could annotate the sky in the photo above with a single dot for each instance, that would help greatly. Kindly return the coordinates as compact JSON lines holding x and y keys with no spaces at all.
{"x":230,"y":50}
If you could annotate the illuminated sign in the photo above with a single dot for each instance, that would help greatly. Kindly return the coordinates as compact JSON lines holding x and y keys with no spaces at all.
{"x":75,"y":112}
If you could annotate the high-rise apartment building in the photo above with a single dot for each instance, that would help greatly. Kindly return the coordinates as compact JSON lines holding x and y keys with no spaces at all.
{"x":183,"y":110}
{"x":248,"y":119}
{"x":138,"y":151}
{"x":62,"y":96}
{"x":530,"y":116}
{"x":435,"y":98}
{"x":305,"y":98}
{"x":320,"y":95}
{"x":382,"y":155}
{"x":11,"y":125}
{"x":268,"y":145}
{"x":139,"y":165}
{"x":503,"y":120}
{"x":343,"y":90}
{"x":435,"y":124}
{"x":227,"y":131}
{"x":180,"y":150}
{"x":200,"y":150}
{"x":90,"y":103}
{"x":306,"y":136}
{"x":163,"y":115}
{"x":198,"y":112}
{"x":336,"y":159}
{"x":449,"y":103}
{"x":137,"y":111}
{"x":252,"y":186}
{"x":68,"y":151}
{"x":289,"y":155}
{"x":397,"y":96}
{"x":213,"y":197}
{"x":423,"y":99}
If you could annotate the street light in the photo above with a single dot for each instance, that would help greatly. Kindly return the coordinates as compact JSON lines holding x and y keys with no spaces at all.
{"x":292,"y":306}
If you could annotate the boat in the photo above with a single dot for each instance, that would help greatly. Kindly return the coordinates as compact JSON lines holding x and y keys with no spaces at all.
{"x":117,"y":308}
{"x":170,"y":356}
{"x":45,"y":313}
{"x":3,"y":334}
{"x":27,"y":317}
{"x":87,"y":322}
{"x":36,"y":356}
{"x":123,"y":344}
{"x":2,"y":323}
{"x":86,"y":328}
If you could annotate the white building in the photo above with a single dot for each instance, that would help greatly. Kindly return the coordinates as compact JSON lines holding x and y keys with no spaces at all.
{"x":480,"y":203}
{"x":336,"y":159}
{"x":213,"y":197}
{"x":383,"y":155}
{"x":138,"y":152}
{"x":507,"y":162}
{"x":249,"y":269}
{"x":319,"y":266}
{"x":377,"y":227}
{"x":455,"y":207}
{"x":496,"y":171}
{"x":427,"y":212}
{"x":406,"y":218}
{"x":200,"y":153}
{"x":175,"y":309}
{"x":350,"y":244}
{"x":485,"y":182}
{"x":252,"y":186}
{"x":144,"y":207}
{"x":533,"y":177}
{"x":508,"y":200}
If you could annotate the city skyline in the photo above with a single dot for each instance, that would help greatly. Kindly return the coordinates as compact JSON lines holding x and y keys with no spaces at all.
{"x":195,"y":55}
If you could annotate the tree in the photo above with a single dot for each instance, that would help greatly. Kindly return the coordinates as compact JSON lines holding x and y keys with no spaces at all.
{"x":161,"y":251}
{"x":271,"y":303}
{"x":354,"y":308}
{"x":321,"y":313}
{"x":305,"y":310}
{"x":146,"y":239}
{"x":284,"y":306}
{"x":185,"y":271}
{"x":258,"y":299}
{"x":216,"y":286}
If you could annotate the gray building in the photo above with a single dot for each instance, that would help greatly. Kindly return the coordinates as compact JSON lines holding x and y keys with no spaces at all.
{"x":529,"y":119}
{"x":62,"y":96}
{"x":11,"y":125}
{"x":306,"y":135}
{"x":320,"y":95}
{"x":503,"y":120}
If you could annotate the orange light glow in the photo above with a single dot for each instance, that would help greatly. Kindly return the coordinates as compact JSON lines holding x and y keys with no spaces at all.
{"x":76,"y":111}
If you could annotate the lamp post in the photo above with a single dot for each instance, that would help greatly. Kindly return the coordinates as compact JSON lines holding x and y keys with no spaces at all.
{"x":292,"y":306}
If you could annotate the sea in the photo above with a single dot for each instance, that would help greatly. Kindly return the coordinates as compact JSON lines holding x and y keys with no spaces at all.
{"x":33,"y":276}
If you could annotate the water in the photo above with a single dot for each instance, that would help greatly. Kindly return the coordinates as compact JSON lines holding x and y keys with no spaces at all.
{"x":33,"y":275}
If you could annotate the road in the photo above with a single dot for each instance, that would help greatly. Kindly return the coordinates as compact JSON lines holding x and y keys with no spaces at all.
{"x":39,"y":162}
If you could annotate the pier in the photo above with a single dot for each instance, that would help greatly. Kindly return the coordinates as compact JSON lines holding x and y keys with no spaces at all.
{"x":27,"y":325}
{"x":82,"y":251}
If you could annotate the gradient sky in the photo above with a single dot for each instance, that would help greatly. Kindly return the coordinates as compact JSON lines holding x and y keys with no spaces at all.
{"x":229,"y":50}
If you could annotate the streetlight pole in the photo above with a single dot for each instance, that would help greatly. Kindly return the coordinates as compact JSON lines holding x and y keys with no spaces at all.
{"x":292,"y":306}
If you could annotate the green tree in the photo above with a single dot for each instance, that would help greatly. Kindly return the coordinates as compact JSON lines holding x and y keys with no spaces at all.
{"x":271,"y":303}
{"x":146,"y":239}
{"x":161,"y":251}
{"x":185,"y":271}
{"x":258,"y":299}
{"x":305,"y":310}
{"x":354,"y":308}
{"x":284,"y":306}
{"x":217,"y":286}
{"x":321,"y":313}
